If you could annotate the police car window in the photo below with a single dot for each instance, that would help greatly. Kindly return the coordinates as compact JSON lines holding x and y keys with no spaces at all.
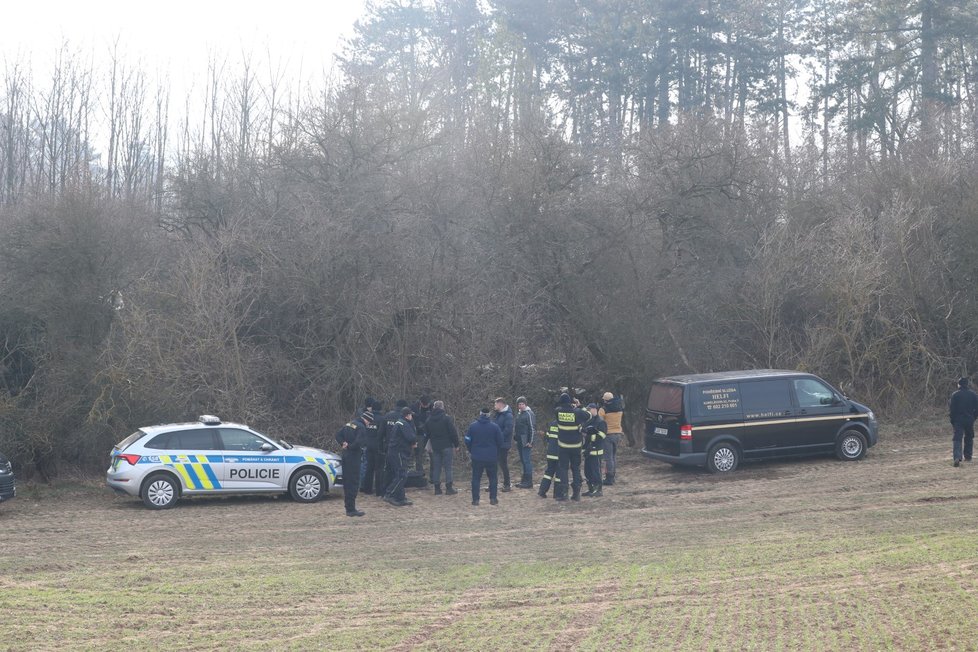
{"x":241,"y":440}
{"x":812,"y":393}
{"x":765,"y":398}
{"x":159,"y":442}
{"x":193,"y":440}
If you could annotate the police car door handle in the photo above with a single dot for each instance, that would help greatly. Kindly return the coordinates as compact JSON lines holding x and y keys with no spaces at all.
{"x":787,"y":413}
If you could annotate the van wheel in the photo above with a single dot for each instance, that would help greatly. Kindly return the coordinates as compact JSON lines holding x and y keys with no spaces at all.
{"x":723,"y":458}
{"x":307,"y":486}
{"x":851,"y":446}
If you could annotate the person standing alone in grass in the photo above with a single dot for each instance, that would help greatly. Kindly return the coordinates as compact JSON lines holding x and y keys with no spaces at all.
{"x":484,"y":440}
{"x":962,"y":410}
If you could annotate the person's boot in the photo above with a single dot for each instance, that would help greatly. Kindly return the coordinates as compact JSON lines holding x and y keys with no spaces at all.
{"x":544,"y":488}
{"x":590,"y":490}
{"x":577,"y":493}
{"x":525,"y":482}
{"x":597,"y":491}
{"x":450,"y":490}
{"x":609,"y":480}
{"x":437,"y":488}
{"x":506,"y":487}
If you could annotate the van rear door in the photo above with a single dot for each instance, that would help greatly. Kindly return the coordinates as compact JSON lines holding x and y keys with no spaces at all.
{"x":663,"y":416}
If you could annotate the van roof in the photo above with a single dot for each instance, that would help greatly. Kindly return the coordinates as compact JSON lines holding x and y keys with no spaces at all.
{"x":746,"y":374}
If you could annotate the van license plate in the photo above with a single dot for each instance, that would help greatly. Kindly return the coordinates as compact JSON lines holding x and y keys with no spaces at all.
{"x":661,"y":431}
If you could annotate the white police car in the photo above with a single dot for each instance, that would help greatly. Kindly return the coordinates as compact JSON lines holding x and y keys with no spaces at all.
{"x":162,"y":463}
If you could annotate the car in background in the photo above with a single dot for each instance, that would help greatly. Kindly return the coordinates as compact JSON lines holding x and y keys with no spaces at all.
{"x":8,"y":487}
{"x":718,"y":420}
{"x":161,"y":464}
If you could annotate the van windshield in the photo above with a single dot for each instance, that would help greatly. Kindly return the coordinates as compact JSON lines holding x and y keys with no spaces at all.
{"x":666,"y":398}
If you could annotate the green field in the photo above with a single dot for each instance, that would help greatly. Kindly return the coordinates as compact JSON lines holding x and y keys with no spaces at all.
{"x":794,"y":555}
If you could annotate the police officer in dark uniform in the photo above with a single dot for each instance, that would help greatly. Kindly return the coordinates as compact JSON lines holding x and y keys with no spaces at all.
{"x":401,"y":442}
{"x":374,"y":452}
{"x":351,"y":438}
{"x":386,"y":427}
{"x":962,"y":410}
{"x":569,"y":440}
{"x":595,"y":431}
{"x":553,"y":451}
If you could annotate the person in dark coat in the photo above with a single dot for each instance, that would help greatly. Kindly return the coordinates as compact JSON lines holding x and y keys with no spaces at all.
{"x":962,"y":410}
{"x":504,"y":419}
{"x":374,"y":454}
{"x":385,"y":428}
{"x":484,"y":440}
{"x":422,"y":410}
{"x":523,"y":432}
{"x":351,"y":439}
{"x":402,"y":441}
{"x":443,"y":441}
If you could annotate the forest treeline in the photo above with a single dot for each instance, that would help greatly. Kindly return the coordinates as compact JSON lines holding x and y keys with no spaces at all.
{"x":491,"y":197}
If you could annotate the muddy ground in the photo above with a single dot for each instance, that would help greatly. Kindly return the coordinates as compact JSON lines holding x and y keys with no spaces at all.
{"x":794,"y":555}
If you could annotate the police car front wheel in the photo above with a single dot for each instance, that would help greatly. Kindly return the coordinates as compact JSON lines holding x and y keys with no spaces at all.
{"x":160,"y":491}
{"x":307,"y":486}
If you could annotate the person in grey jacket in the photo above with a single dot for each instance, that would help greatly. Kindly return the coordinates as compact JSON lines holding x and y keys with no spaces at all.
{"x":504,"y":419}
{"x":523,"y":440}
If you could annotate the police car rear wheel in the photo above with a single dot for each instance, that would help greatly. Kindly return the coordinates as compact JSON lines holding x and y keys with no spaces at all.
{"x":851,"y":446}
{"x":160,"y":492}
{"x":307,"y":486}
{"x":723,"y":458}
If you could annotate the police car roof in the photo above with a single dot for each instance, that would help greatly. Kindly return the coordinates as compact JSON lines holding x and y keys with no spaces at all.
{"x":720,"y":376}
{"x":170,"y":427}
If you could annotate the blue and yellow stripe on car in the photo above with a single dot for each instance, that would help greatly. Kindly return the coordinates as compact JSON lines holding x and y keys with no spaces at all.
{"x":195,"y":470}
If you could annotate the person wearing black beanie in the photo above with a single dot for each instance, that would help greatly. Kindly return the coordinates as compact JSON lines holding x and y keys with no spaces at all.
{"x":962,"y":411}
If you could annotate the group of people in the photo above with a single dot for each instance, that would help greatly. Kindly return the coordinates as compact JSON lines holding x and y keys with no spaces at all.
{"x":377,"y":450}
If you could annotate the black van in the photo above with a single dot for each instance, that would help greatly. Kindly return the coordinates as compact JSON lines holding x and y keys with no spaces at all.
{"x":7,"y":487}
{"x":720,"y":419}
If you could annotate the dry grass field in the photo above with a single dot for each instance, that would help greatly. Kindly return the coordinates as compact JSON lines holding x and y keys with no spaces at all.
{"x":809,"y":554}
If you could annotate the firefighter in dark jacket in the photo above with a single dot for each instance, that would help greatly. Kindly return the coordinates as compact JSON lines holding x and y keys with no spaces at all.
{"x":569,"y":440}
{"x":962,"y":410}
{"x":595,"y":431}
{"x":402,"y":440}
{"x":553,"y":452}
{"x":351,"y":439}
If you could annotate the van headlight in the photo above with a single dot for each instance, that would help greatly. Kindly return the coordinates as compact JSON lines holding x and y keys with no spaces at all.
{"x":871,"y":415}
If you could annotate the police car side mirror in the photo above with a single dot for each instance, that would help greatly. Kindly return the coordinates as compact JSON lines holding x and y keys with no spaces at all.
{"x":267,"y":448}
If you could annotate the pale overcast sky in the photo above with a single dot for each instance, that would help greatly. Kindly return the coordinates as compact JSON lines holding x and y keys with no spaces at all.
{"x":177,"y":35}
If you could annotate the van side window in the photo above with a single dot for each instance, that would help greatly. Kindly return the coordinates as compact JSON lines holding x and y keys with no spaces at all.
{"x":718,"y":401}
{"x":812,"y":393}
{"x":765,"y":398}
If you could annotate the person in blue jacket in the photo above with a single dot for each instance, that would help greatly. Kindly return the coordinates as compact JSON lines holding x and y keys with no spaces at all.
{"x":484,"y":440}
{"x":504,"y":419}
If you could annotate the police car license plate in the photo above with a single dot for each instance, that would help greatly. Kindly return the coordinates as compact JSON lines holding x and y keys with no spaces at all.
{"x":661,"y":431}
